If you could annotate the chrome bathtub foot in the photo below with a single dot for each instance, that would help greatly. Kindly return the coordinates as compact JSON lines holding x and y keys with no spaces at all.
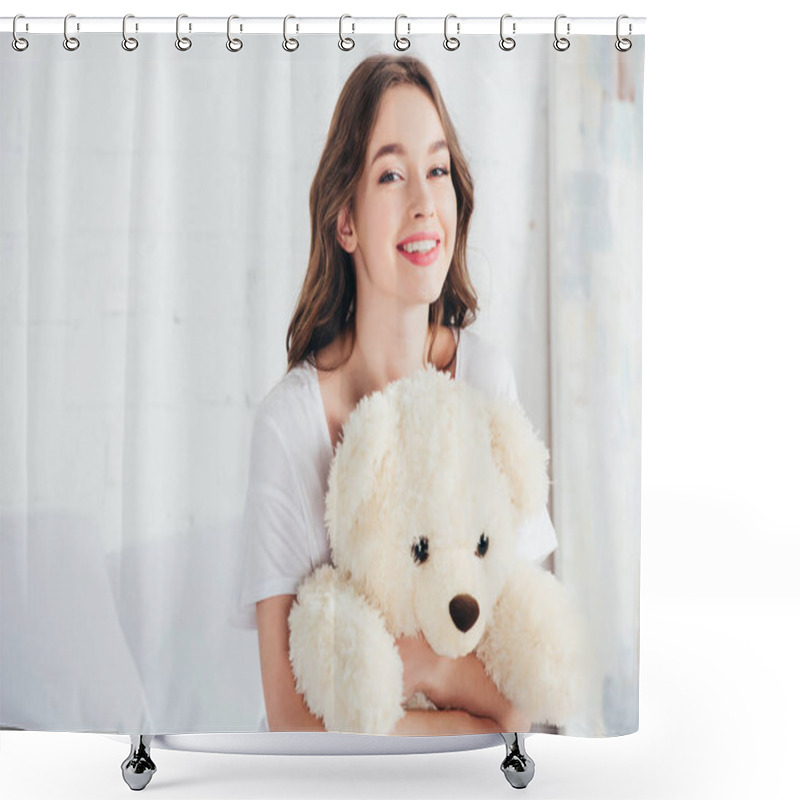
{"x":138,"y":768}
{"x":518,"y":766}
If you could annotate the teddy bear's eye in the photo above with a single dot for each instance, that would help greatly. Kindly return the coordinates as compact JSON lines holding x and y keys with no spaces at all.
{"x":420,"y":550}
{"x":483,"y":546}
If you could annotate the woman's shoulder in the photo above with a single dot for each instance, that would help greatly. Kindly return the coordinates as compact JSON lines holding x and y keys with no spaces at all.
{"x":289,"y":405}
{"x":484,"y":365}
{"x":289,"y":446}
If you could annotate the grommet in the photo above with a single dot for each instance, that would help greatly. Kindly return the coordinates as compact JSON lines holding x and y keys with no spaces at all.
{"x":561,"y":43}
{"x":289,"y":45}
{"x":507,"y":42}
{"x":17,"y":42}
{"x":128,"y":42}
{"x":70,"y":42}
{"x":451,"y":42}
{"x":233,"y":45}
{"x":183,"y":43}
{"x":345,"y":43}
{"x":401,"y":42}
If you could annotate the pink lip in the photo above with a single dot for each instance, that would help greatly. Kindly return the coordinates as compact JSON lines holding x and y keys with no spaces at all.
{"x":421,"y":259}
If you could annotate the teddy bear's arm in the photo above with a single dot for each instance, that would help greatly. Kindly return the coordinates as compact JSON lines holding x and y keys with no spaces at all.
{"x":532,"y":648}
{"x":344,"y":660}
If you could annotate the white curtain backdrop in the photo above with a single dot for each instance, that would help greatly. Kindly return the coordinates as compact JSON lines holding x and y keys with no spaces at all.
{"x":155,"y":233}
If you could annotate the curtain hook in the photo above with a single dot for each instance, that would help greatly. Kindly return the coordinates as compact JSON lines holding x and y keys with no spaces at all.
{"x":182,"y":42}
{"x":346,"y":43}
{"x":70,"y":42}
{"x":128,"y":42}
{"x":290,"y":45}
{"x":234,"y":45}
{"x":561,"y":43}
{"x":623,"y":45}
{"x":401,"y":43}
{"x":451,"y":42}
{"x":507,"y":42}
{"x":18,"y":43}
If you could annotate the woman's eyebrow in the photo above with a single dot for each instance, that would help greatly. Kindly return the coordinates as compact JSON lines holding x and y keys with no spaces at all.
{"x":400,"y":150}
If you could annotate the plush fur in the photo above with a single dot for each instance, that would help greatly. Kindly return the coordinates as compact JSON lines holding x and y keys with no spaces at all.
{"x":431,"y":458}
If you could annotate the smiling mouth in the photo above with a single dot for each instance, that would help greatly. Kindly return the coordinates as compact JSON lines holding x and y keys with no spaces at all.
{"x":421,"y":252}
{"x":420,"y":246}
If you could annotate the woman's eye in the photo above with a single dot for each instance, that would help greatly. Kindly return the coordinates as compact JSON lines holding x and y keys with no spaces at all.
{"x":420,"y":550}
{"x":392,"y":176}
{"x":483,"y":546}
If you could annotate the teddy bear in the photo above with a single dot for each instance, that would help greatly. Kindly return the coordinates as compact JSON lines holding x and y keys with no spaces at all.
{"x":427,"y":490}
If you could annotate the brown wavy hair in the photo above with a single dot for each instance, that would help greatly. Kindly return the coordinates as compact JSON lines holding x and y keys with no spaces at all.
{"x":326,"y":306}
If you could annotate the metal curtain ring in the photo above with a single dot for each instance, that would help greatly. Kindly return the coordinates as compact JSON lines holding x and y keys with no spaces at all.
{"x":18,"y":43}
{"x":234,"y":45}
{"x":561,"y":43}
{"x":507,"y":42}
{"x":451,"y":42}
{"x":70,"y":42}
{"x":400,"y":42}
{"x":623,"y":45}
{"x":346,"y":43}
{"x":128,"y":42}
{"x":182,"y":42}
{"x":290,"y":45}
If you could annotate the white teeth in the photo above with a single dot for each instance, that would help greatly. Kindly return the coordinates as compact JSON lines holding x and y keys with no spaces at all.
{"x":420,"y":246}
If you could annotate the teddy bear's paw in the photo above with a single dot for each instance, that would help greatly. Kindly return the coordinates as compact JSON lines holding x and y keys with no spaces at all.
{"x":345,"y":662}
{"x":533,"y":648}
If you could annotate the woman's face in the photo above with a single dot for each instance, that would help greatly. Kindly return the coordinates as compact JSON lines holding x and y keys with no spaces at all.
{"x":401,"y":233}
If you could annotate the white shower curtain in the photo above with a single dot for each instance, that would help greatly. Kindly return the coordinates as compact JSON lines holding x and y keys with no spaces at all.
{"x":155,"y":234}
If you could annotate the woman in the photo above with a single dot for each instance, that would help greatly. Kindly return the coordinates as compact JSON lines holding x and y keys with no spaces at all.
{"x":386,"y":291}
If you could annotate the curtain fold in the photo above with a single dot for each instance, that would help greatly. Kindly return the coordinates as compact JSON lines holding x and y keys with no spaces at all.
{"x":595,"y":334}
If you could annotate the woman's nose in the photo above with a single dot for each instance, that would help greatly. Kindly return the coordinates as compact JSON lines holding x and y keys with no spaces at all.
{"x":422,"y":203}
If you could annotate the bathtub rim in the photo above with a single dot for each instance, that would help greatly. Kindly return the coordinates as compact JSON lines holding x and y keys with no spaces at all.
{"x":313,"y":743}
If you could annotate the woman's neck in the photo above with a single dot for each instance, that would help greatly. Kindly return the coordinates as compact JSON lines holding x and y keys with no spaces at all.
{"x":387,"y":347}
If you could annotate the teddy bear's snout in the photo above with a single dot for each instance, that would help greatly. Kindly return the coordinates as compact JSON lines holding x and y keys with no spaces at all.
{"x":464,"y":610}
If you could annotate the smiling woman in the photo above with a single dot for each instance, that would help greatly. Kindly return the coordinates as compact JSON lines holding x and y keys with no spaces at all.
{"x":400,"y":227}
{"x":153,"y":500}
{"x":373,"y":142}
{"x":386,"y":293}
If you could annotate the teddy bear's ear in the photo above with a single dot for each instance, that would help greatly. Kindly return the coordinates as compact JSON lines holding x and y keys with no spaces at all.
{"x":367,"y":437}
{"x":521,"y":456}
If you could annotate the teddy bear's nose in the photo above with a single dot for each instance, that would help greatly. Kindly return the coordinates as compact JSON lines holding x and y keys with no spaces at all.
{"x":464,"y":610}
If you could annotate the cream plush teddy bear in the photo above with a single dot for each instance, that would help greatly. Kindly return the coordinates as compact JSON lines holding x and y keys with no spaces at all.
{"x":426,"y":494}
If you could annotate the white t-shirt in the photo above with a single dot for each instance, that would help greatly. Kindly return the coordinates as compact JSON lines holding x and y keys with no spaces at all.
{"x":283,"y":528}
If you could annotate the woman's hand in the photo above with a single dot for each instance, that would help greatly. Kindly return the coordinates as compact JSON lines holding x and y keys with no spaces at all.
{"x":421,"y":665}
{"x":456,"y":683}
{"x":423,"y":671}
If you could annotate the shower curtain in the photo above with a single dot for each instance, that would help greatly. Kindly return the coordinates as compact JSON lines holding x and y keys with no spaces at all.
{"x":155,"y":239}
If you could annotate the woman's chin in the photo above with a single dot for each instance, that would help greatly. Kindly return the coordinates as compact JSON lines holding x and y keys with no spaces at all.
{"x":422,"y":286}
{"x":429,"y":290}
{"x":427,"y":297}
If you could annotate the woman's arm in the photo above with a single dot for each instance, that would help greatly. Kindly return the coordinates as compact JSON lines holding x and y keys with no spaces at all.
{"x":458,"y":683}
{"x":444,"y":723}
{"x":286,"y":709}
{"x":463,"y":683}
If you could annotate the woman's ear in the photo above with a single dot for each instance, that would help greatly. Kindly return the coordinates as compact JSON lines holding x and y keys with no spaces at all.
{"x":345,"y":231}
